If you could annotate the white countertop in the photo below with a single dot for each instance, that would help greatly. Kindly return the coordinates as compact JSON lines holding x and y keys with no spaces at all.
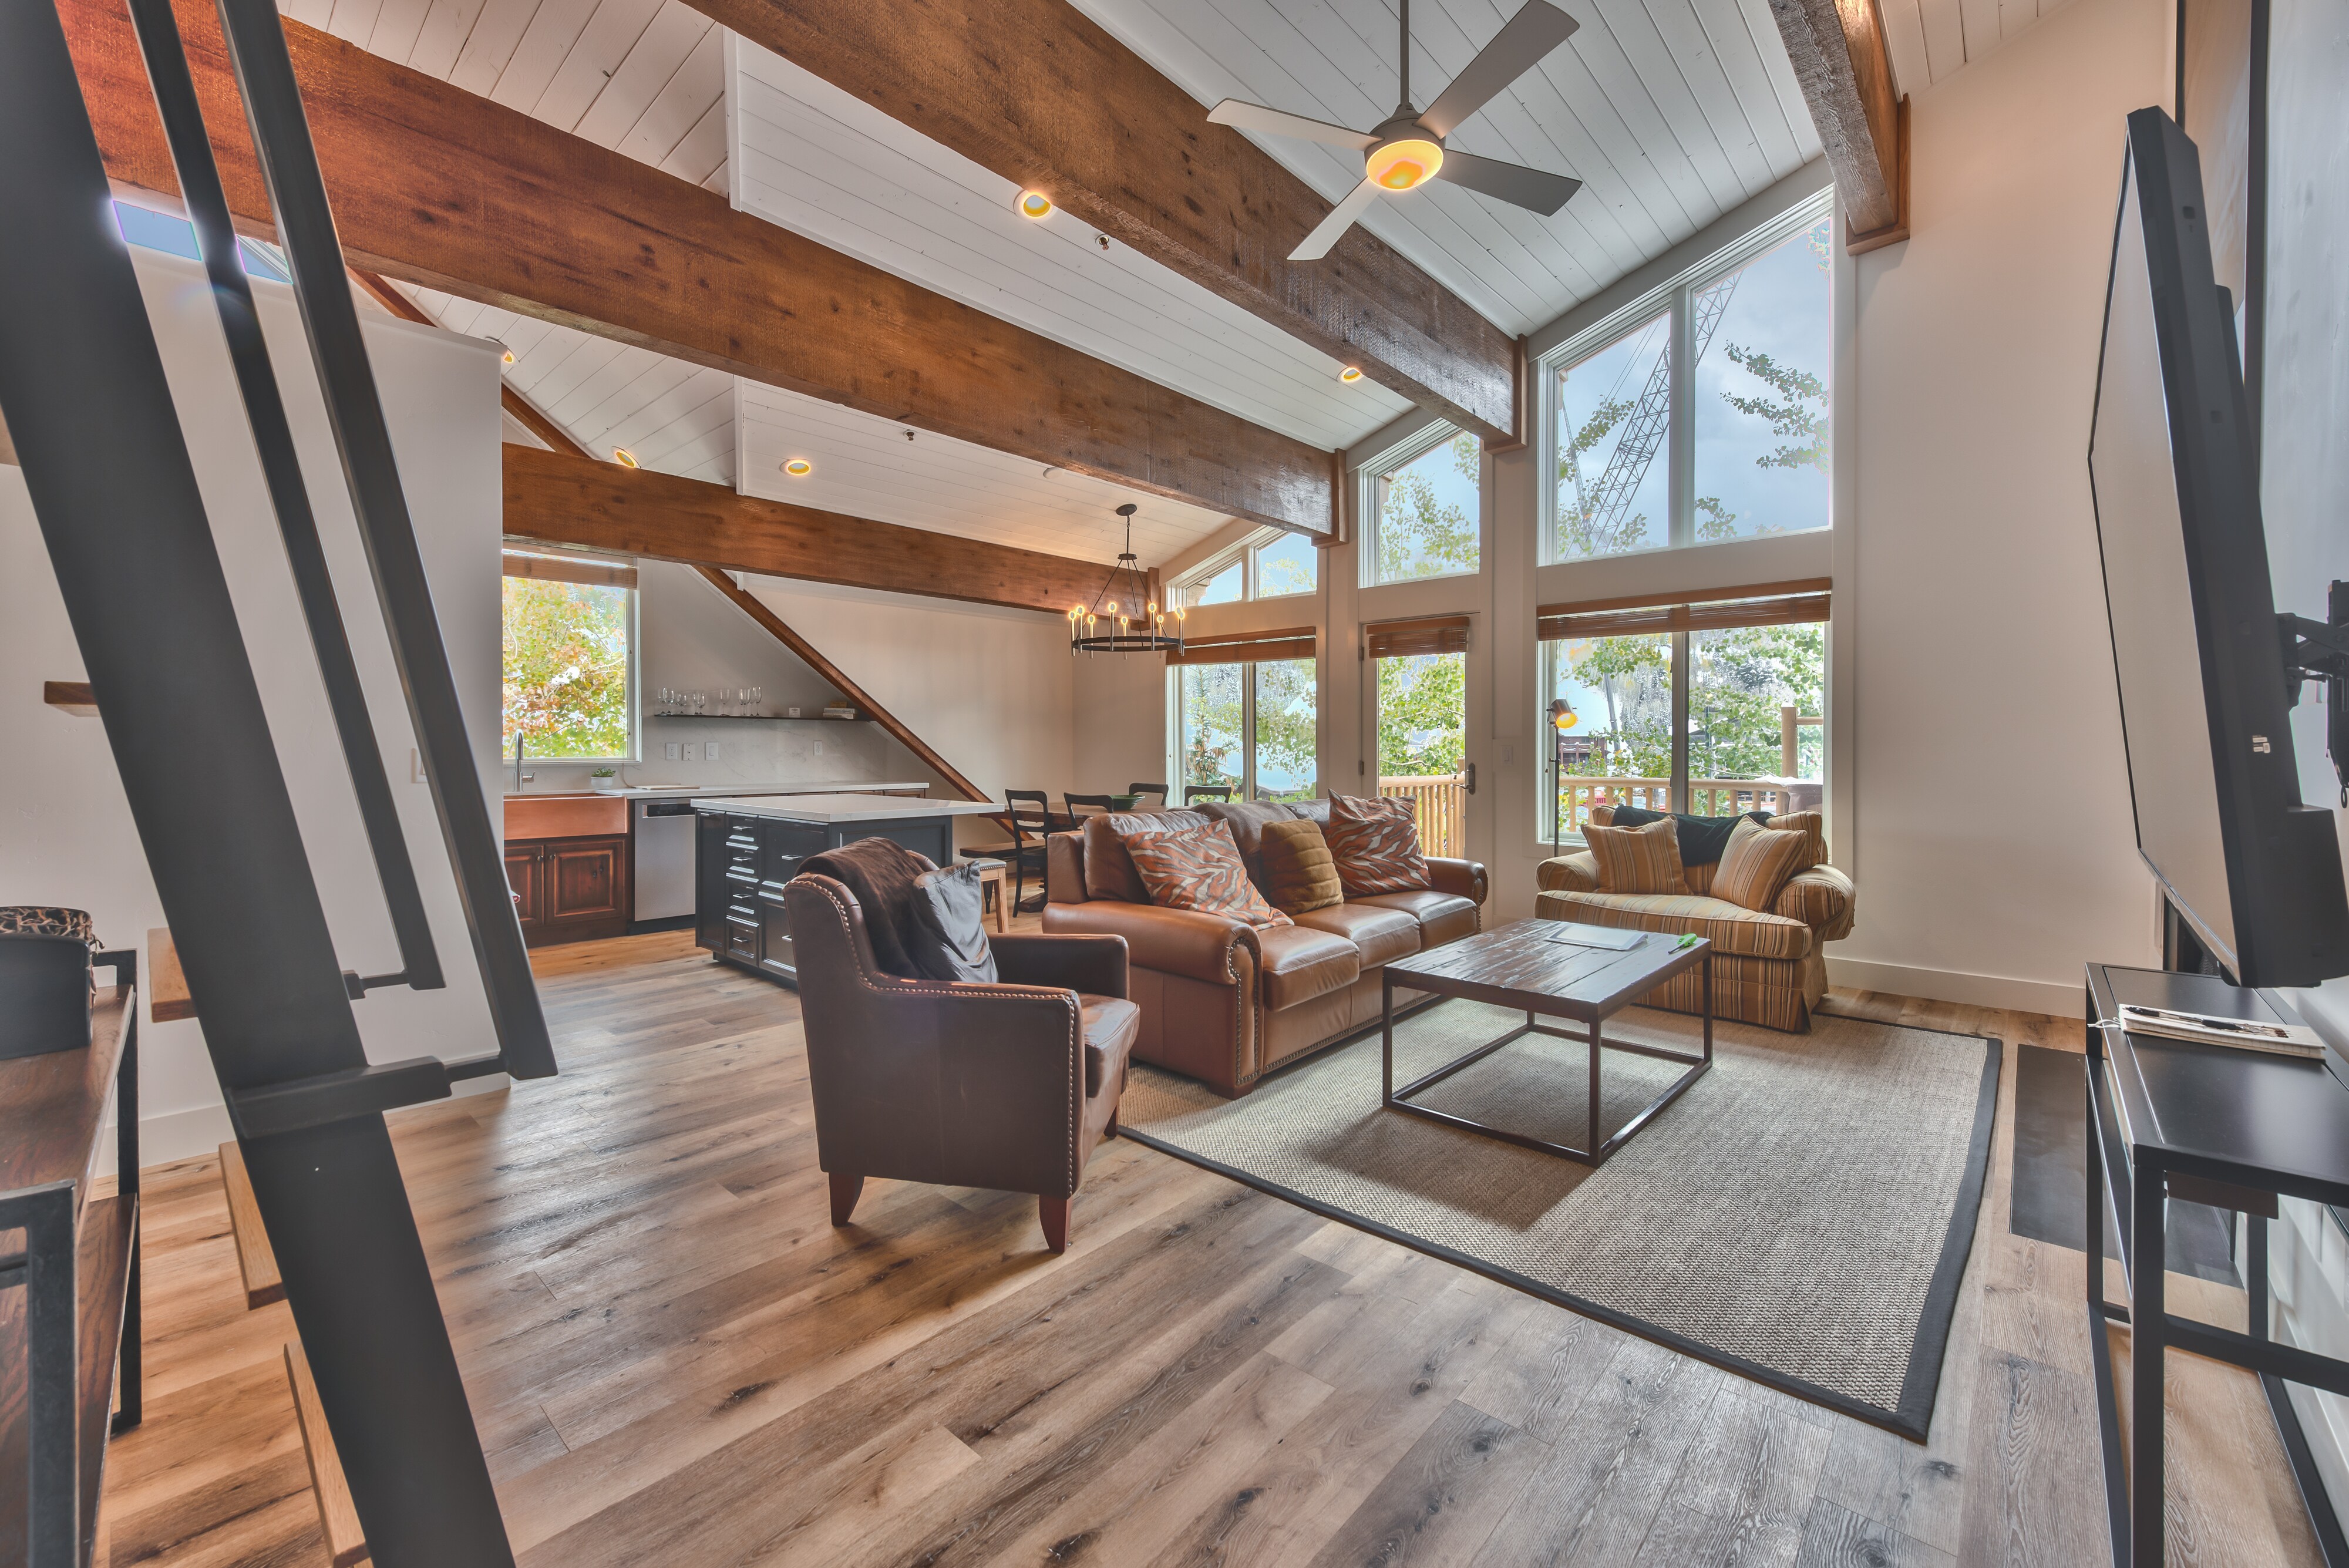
{"x":730,"y":791}
{"x":843,"y":807}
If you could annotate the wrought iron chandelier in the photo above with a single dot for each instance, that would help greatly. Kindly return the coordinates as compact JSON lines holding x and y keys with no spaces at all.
{"x":1123,"y":617}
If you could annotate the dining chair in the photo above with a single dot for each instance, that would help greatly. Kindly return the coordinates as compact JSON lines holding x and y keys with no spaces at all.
{"x":1196,"y":792}
{"x":1102,"y":803}
{"x":1029,"y":814}
{"x":1150,"y":789}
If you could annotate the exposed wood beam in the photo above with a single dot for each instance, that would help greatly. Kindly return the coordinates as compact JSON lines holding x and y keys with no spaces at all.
{"x":555,"y":498}
{"x":435,"y":186}
{"x":1038,"y":92}
{"x":750,"y":605}
{"x":1838,"y":51}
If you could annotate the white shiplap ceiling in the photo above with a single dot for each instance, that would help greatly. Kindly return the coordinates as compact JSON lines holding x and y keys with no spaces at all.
{"x":823,"y":164}
{"x":1669,"y":111}
{"x":865,"y":467}
{"x":1930,"y":39}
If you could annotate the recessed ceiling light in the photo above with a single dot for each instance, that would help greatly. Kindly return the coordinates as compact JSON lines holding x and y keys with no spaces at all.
{"x":799,"y":468}
{"x":624,"y":457}
{"x":509,"y":356}
{"x":1351,"y":374}
{"x":1035,"y":204}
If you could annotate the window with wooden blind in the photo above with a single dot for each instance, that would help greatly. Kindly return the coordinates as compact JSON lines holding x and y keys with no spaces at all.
{"x":1247,"y":711}
{"x":1407,"y":638}
{"x":1714,"y":705}
{"x":569,"y":655}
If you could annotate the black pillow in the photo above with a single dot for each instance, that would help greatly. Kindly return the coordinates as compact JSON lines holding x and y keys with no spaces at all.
{"x":1703,"y":839}
{"x":945,"y":932}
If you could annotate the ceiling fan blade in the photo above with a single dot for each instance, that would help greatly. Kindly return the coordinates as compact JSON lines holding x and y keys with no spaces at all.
{"x":1522,"y":41}
{"x":1256,"y":116}
{"x":1531,"y":189}
{"x":1341,"y":217}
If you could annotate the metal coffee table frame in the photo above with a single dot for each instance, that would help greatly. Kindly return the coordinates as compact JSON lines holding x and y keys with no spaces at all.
{"x":1593,"y":1014}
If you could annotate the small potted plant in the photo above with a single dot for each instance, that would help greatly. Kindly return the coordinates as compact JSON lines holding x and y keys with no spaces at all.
{"x":604,"y":778}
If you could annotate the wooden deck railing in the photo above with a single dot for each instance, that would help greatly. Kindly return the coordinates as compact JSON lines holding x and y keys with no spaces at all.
{"x":1440,"y":804}
{"x":1707,"y":797}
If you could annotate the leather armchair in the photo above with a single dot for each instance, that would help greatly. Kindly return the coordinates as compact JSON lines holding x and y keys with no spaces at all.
{"x":1007,"y":1086}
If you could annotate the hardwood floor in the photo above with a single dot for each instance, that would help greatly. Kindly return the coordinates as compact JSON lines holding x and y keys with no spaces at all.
{"x":674,"y":1358}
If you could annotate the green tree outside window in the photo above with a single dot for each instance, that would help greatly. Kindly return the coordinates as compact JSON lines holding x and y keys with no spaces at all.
{"x":566,"y":668}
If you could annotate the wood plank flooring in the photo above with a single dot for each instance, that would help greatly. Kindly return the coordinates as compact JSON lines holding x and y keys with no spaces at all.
{"x":674,"y":1358}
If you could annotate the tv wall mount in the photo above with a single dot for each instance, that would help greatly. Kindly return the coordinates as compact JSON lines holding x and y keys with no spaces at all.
{"x":2319,"y":650}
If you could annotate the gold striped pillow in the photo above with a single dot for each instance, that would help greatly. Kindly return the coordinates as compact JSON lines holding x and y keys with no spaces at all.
{"x":1758,"y":862}
{"x":1638,"y":859}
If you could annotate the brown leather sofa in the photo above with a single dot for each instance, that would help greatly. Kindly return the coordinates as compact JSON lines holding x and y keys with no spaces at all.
{"x":1222,"y":1001}
{"x":1007,"y":1086}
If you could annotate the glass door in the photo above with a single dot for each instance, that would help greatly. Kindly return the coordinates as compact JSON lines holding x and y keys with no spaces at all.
{"x":1417,"y":693}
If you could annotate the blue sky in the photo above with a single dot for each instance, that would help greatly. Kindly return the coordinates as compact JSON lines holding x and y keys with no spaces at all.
{"x":1779,"y":307}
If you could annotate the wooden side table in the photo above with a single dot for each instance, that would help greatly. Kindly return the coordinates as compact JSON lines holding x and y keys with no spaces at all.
{"x":995,"y":878}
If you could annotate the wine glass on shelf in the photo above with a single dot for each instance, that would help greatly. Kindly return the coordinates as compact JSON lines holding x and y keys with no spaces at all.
{"x":758,"y":702}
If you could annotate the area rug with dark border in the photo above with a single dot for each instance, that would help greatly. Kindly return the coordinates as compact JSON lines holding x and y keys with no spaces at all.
{"x":1801,"y":1216}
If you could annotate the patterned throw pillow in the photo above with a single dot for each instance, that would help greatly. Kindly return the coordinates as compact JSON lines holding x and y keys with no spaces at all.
{"x":1812,"y":826}
{"x":1376,"y":841}
{"x":1300,"y":875}
{"x":1200,"y":868}
{"x":1638,"y":859}
{"x":1757,"y":863}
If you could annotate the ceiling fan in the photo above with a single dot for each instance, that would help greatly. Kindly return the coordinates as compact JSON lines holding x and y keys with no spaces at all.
{"x":1408,"y":149}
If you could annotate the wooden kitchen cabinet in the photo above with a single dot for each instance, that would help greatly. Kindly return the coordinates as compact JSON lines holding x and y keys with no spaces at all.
{"x":570,"y":889}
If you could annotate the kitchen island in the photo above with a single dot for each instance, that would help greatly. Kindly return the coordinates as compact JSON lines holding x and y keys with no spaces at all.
{"x":748,"y":847}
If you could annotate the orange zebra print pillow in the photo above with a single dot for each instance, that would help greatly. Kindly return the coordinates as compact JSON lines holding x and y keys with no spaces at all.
{"x":1376,"y":841}
{"x":1200,"y":868}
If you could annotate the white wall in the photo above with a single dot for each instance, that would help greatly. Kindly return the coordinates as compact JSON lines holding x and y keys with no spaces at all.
{"x":992,"y":691}
{"x":1992,"y":842}
{"x":65,"y":828}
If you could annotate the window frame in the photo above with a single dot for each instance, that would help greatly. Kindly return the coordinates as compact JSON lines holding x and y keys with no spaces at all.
{"x":1679,"y":786}
{"x":1180,"y":782}
{"x":632,"y":681}
{"x":1243,"y":552}
{"x":1669,"y":297}
{"x":1372,"y":497}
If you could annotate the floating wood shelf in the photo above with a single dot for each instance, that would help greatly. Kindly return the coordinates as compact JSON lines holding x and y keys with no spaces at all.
{"x":338,"y":1518}
{"x":255,"y":1261}
{"x":73,"y":696}
{"x":167,"y":993}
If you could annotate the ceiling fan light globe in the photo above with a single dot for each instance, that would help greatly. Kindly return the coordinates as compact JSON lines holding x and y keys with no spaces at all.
{"x":1403,"y":163}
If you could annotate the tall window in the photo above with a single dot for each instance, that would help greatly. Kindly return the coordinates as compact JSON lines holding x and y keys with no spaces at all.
{"x":1715,"y":708}
{"x":1273,"y":565}
{"x":1420,"y":672}
{"x":1250,"y":726}
{"x":569,"y":655}
{"x":1759,"y":335}
{"x":1424,"y":515}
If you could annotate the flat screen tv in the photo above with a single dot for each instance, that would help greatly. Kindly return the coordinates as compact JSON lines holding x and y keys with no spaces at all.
{"x":2205,"y":700}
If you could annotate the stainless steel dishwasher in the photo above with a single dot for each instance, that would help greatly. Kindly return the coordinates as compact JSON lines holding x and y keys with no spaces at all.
{"x":664,"y":866}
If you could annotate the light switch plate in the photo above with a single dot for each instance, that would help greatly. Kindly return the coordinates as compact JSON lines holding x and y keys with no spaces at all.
{"x":819,"y":748}
{"x":709,"y":752}
{"x":668,"y":751}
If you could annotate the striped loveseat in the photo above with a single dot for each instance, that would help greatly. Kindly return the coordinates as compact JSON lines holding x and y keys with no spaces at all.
{"x":1769,"y":966}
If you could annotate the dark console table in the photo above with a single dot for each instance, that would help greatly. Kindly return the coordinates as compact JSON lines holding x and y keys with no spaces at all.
{"x":2210,"y":1124}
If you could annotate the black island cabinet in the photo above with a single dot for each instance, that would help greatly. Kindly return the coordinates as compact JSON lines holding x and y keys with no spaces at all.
{"x":745,"y":851}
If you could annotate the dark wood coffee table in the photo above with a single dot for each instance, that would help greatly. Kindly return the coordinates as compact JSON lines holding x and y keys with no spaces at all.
{"x":1532,"y":967}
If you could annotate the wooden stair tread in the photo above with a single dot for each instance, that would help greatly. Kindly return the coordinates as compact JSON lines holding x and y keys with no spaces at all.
{"x":339,"y":1519}
{"x":255,"y":1260}
{"x":167,"y":986}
